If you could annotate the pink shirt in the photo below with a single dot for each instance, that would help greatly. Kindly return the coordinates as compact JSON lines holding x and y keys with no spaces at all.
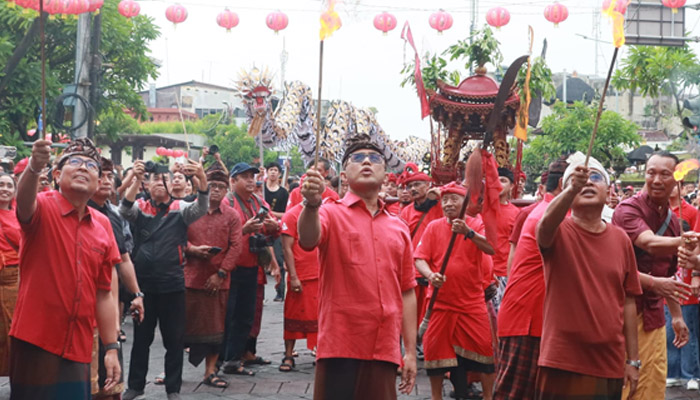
{"x":366,"y":265}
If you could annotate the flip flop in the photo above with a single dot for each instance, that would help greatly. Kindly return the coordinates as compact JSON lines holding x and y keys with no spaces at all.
{"x":285,"y":367}
{"x":257,"y":361}
{"x":159,"y":379}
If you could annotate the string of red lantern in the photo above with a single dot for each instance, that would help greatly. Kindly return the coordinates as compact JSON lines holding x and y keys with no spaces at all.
{"x":556,"y":13}
{"x":441,"y":21}
{"x":385,"y":22}
{"x":176,"y":14}
{"x":497,"y":17}
{"x":129,"y":8}
{"x":674,"y":5}
{"x":277,"y":21}
{"x":620,"y":5}
{"x":227,"y":19}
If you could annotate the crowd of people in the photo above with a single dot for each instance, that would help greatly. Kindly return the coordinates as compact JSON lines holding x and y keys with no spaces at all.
{"x":589,"y":292}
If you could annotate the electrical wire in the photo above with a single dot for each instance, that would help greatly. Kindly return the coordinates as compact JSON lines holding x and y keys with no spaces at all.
{"x":59,"y":112}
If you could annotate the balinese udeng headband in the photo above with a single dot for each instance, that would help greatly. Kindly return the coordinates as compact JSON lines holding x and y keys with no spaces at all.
{"x":80,"y":147}
{"x":578,"y":159}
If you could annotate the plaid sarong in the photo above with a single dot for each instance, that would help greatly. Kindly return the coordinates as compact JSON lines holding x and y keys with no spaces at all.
{"x":517,"y":367}
{"x":37,"y":374}
{"x":557,"y":384}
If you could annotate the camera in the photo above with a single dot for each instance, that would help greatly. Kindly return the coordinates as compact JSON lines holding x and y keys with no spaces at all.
{"x":258,"y":243}
{"x":262,"y":213}
{"x":213,"y":149}
{"x":156,"y":168}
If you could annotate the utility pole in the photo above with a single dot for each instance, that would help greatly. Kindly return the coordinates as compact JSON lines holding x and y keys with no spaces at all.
{"x":95,"y":71}
{"x":472,"y":28}
{"x":283,"y":64}
{"x":82,"y":74}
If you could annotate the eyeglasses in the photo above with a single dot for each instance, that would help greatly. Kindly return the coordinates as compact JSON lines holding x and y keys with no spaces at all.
{"x":218,"y":186}
{"x":596,"y":177}
{"x":374,"y":158}
{"x":90,"y":164}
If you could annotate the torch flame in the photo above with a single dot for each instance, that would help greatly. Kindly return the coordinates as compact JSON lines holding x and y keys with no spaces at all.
{"x":684,"y":168}
{"x":618,"y":21}
{"x":330,"y":21}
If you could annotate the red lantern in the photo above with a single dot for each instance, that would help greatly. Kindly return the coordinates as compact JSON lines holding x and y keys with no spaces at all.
{"x":54,"y":7}
{"x":277,"y":21}
{"x":161,"y":151}
{"x":441,"y":21}
{"x":674,"y":5}
{"x":620,"y":5}
{"x":31,"y":132}
{"x":227,"y":19}
{"x":77,"y":7}
{"x":556,"y":13}
{"x":95,"y":5}
{"x":497,"y":17}
{"x":178,"y":153}
{"x":385,"y":22}
{"x":176,"y":14}
{"x":129,"y":8}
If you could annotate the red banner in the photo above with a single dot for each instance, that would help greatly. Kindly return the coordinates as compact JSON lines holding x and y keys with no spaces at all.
{"x":424,"y":107}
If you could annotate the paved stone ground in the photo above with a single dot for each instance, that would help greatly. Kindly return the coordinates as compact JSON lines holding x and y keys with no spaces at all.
{"x":268,"y":383}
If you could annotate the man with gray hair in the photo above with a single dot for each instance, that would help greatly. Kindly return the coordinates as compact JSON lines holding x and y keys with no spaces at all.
{"x":584,"y":356}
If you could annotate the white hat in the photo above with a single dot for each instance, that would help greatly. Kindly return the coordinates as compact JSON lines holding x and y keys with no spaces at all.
{"x":578,"y":159}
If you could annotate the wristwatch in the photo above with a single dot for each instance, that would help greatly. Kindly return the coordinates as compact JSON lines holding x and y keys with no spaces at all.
{"x":311,"y":206}
{"x":138,"y":294}
{"x":635,"y":363}
{"x":112,"y":346}
{"x":470,"y":234}
{"x":222,"y":274}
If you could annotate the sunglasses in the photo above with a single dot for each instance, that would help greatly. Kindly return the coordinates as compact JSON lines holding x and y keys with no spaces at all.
{"x":374,"y":158}
{"x":90,"y":165}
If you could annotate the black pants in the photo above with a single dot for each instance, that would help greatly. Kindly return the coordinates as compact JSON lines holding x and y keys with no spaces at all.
{"x":240,"y":312}
{"x":168,"y":311}
{"x":279,"y":256}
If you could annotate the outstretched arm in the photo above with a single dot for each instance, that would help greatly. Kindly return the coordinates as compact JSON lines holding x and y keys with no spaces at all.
{"x":557,"y":209}
{"x":29,"y":181}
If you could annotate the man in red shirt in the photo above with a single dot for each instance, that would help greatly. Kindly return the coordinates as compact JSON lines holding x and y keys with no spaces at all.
{"x":590,"y":273}
{"x":520,"y":315}
{"x":243,"y":292}
{"x":367,"y":301}
{"x":506,"y":219}
{"x":67,"y":256}
{"x":458,"y":338}
{"x":424,"y":210}
{"x":213,"y":245}
{"x":324,"y":167}
{"x":655,"y":234}
{"x":301,"y":304}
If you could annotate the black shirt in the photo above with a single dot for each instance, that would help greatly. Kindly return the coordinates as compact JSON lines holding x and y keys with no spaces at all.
{"x":277,"y":199}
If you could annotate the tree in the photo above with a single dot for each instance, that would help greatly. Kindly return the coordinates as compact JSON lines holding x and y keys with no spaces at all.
{"x":658,"y":70}
{"x":124,"y":52}
{"x":569,"y":129}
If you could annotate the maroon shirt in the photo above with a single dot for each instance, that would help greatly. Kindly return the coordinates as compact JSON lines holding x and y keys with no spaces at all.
{"x":636,"y":215}
{"x":219,"y":228}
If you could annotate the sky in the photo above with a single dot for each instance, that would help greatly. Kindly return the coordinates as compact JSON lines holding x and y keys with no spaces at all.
{"x":360,"y":64}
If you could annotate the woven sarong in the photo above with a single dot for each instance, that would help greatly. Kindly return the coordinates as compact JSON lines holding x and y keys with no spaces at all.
{"x":37,"y":374}
{"x":301,"y":314}
{"x":9,"y":285}
{"x":517,"y":367}
{"x":557,"y":384}
{"x":205,"y":316}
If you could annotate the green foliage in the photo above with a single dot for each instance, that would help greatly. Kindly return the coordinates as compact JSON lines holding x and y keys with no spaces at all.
{"x":483,"y":49}
{"x":540,"y":80}
{"x":569,"y":129}
{"x":127,"y":66}
{"x":657,"y":70}
{"x":434,"y":69}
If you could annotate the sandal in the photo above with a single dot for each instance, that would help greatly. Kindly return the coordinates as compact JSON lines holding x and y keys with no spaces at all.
{"x":214,"y":381}
{"x":159,"y":379}
{"x":122,"y":336}
{"x":238,"y":370}
{"x":286,"y":367}
{"x":257,"y":361}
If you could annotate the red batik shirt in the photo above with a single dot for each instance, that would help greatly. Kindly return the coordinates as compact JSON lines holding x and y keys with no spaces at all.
{"x":366,"y":265}
{"x":65,"y":261}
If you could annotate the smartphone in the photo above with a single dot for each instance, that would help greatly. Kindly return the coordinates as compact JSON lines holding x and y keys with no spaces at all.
{"x":262,"y":213}
{"x":215,"y":250}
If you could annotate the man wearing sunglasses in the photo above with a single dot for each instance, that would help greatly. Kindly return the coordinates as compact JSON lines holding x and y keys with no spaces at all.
{"x":67,"y":255}
{"x":367,"y":280}
{"x":590,"y":273}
